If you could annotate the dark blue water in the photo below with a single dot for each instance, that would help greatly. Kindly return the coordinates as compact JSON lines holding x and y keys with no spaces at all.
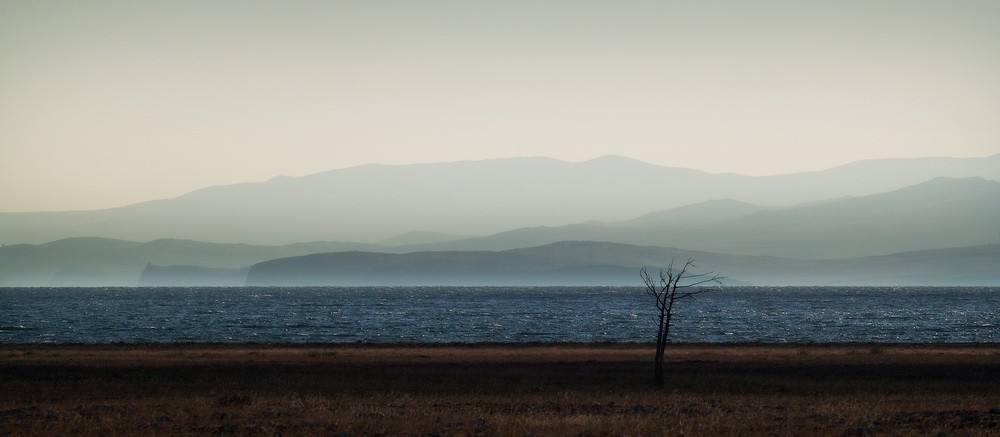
{"x":496,"y":314}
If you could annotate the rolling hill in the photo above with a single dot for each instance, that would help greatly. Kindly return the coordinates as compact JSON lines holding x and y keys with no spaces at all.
{"x":102,"y":261}
{"x":940,"y":213}
{"x":373,"y":203}
{"x":592,"y":263}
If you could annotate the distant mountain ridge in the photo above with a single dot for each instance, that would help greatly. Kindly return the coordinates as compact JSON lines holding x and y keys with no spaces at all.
{"x":103,"y":262}
{"x":593,"y":263}
{"x":943,"y":212}
{"x":89,"y":261}
{"x":378,"y":202}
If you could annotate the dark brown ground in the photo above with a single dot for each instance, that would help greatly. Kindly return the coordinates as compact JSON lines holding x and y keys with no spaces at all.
{"x":499,"y":390}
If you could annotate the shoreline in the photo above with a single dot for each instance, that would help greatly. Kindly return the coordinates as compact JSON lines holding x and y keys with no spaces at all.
{"x":481,"y":344}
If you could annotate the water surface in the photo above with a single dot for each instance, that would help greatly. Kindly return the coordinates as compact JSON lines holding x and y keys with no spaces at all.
{"x":495,"y":314}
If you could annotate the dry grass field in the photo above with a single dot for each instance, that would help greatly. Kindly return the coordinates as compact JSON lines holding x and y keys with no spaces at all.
{"x":574,"y":389}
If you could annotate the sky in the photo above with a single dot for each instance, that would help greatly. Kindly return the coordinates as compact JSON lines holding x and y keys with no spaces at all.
{"x":106,"y":103}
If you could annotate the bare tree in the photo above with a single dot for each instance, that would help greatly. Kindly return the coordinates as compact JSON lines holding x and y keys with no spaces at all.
{"x":671,"y":286}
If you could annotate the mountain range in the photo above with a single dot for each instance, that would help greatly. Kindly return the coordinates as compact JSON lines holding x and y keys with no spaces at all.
{"x":942,"y":212}
{"x":930,"y":221}
{"x":103,"y":262}
{"x":593,"y":263}
{"x":90,"y":261}
{"x":373,"y":203}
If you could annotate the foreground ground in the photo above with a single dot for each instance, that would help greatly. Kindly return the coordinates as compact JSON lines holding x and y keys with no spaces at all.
{"x":499,"y":390}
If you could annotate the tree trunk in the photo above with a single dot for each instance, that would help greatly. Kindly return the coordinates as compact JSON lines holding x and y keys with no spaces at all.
{"x":661,"y":343}
{"x":658,"y":360}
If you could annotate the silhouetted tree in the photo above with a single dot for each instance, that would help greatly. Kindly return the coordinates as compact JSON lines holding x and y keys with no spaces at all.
{"x":671,"y":286}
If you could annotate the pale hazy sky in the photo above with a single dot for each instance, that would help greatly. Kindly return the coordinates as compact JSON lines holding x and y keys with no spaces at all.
{"x":104,"y":103}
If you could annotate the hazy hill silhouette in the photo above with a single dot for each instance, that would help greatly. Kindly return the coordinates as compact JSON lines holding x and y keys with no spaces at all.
{"x":377,"y":202}
{"x":943,"y":212}
{"x":103,"y":261}
{"x":940,"y":213}
{"x":593,"y":263}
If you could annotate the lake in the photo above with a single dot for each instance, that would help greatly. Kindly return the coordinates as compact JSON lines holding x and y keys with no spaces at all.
{"x":495,"y":314}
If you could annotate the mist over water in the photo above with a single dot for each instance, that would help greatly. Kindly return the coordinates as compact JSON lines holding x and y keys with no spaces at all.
{"x":495,"y":314}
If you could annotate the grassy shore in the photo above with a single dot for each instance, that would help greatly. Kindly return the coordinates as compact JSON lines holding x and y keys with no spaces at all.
{"x":546,"y":389}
